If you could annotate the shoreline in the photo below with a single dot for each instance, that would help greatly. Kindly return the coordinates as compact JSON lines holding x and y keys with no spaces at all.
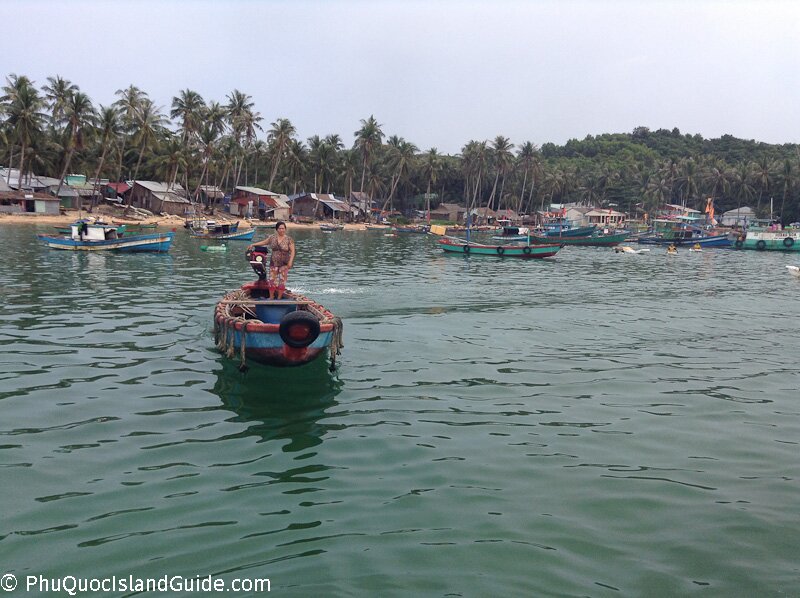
{"x":159,"y":221}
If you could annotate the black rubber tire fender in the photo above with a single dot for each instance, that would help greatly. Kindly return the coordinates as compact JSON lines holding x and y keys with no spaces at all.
{"x":295,"y":319}
{"x":788,"y":242}
{"x":761,"y":245}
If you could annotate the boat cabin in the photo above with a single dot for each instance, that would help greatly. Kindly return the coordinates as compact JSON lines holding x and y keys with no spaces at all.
{"x":86,"y":231}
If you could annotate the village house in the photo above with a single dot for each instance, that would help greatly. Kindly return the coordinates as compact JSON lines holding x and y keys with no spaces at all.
{"x":606,"y":218}
{"x":362,"y":206}
{"x":577,"y":215}
{"x":320,"y":206}
{"x":210,"y":195}
{"x":14,"y":201}
{"x":742,"y":217}
{"x":450,"y":212}
{"x":506,"y":214}
{"x":159,"y":198}
{"x":114,"y":190}
{"x":255,"y":202}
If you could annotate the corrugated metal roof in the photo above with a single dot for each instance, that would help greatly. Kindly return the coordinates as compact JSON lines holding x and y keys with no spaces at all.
{"x":118,"y":187}
{"x":156,"y":187}
{"x":171,"y":197}
{"x":255,"y":190}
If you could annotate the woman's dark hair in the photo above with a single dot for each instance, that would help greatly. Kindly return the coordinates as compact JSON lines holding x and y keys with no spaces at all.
{"x":278,"y":224}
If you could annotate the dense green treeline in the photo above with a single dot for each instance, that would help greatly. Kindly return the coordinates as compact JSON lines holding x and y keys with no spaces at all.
{"x":53,"y":129}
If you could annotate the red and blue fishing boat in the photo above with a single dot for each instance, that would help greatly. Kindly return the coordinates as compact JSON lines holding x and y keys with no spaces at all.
{"x":280,"y":332}
{"x":95,"y":236}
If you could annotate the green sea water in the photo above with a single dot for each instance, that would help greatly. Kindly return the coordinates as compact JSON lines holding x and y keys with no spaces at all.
{"x":597,"y":424}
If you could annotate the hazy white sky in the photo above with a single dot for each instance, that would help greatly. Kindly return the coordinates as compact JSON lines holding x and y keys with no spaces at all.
{"x":438,"y":73}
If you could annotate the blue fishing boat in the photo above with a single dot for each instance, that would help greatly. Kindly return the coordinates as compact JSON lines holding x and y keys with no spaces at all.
{"x":686,"y":236}
{"x":280,"y":332}
{"x":90,"y":236}
{"x":556,"y":224}
{"x":228,"y":231}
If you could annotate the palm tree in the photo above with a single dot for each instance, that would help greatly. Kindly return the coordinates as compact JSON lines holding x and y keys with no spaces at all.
{"x":718,"y":178}
{"x":688,"y":179}
{"x":762,"y":174}
{"x":243,"y":122}
{"x":349,"y":170}
{"x":432,"y":167}
{"x":368,"y":138}
{"x":400,"y":160}
{"x":279,"y":136}
{"x":208,"y":138}
{"x":296,"y":158}
{"x":740,"y":183}
{"x":109,"y":128}
{"x":188,"y":107}
{"x":79,"y":115}
{"x":25,"y":117}
{"x":788,"y":180}
{"x":148,"y":127}
{"x":526,"y":156}
{"x":503,"y":160}
{"x":57,"y":94}
{"x":129,"y":105}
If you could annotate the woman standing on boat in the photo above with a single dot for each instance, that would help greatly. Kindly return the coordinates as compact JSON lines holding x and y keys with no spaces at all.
{"x":281,"y":259}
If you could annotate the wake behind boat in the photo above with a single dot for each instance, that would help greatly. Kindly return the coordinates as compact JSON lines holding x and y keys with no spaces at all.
{"x":96,"y":236}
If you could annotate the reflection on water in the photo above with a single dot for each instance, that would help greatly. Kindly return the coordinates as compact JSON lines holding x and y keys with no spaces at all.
{"x":280,"y":403}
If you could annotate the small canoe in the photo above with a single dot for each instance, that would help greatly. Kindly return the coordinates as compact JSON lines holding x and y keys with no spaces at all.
{"x":521,"y":251}
{"x":213,"y":248}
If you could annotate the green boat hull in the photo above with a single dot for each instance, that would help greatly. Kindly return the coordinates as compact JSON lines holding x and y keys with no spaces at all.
{"x":772,"y":241}
{"x":519,"y":251}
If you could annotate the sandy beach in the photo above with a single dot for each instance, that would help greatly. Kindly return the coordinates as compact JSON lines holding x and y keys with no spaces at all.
{"x":161,"y":221}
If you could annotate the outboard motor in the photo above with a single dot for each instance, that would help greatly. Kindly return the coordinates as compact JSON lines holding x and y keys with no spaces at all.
{"x":258,"y":261}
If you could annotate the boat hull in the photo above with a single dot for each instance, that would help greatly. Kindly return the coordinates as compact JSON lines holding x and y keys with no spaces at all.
{"x":259,"y":340}
{"x":159,"y":242}
{"x":581,"y":231}
{"x":715,"y":241}
{"x":518,"y":251}
{"x":588,"y":241}
{"x":769,"y":241}
{"x":245,"y":235}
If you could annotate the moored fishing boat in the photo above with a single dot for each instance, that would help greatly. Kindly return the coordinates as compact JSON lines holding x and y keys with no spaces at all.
{"x":595,"y":240}
{"x":331,"y":227}
{"x":464,"y":247}
{"x":90,"y":236}
{"x":411,"y":229}
{"x":769,"y":240}
{"x":221,"y":230}
{"x":281,"y":332}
